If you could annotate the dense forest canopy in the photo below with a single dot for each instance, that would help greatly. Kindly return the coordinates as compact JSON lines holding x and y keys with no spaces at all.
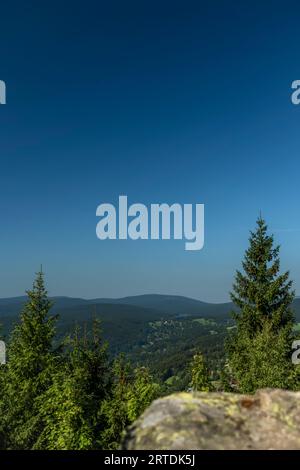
{"x":73,"y":381}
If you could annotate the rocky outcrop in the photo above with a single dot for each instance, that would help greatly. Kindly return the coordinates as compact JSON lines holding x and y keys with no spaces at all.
{"x":270,"y":419}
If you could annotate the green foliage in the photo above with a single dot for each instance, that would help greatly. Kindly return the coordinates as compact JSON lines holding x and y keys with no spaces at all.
{"x":132,"y":392}
{"x":28,"y":371}
{"x":259,"y":349}
{"x":263,"y":361}
{"x":142,"y":392}
{"x":171,"y":344}
{"x":77,"y":397}
{"x":2,"y":394}
{"x":70,"y":406}
{"x":114,"y":409}
{"x":200,"y":376}
{"x":68,"y":398}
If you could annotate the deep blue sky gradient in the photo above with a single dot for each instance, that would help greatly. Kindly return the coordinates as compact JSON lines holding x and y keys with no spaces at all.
{"x":162,"y":101}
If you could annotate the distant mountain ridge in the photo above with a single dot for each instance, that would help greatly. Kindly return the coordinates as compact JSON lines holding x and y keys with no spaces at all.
{"x":127,"y":322}
{"x":157,"y":303}
{"x":167,"y":304}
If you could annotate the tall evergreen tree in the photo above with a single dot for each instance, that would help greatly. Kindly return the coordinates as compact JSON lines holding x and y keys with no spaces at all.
{"x":2,"y":394}
{"x":259,"y":350}
{"x":200,"y":376}
{"x":132,"y":392}
{"x":115,"y":408}
{"x":142,"y":392}
{"x":71,"y":406}
{"x":28,"y":370}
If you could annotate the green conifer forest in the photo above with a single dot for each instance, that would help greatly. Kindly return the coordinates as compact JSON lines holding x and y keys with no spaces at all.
{"x":73,"y":391}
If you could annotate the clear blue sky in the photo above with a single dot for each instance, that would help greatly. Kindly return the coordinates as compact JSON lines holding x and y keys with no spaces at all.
{"x":164,"y":101}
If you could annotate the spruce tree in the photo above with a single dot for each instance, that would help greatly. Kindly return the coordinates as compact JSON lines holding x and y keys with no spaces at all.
{"x":259,"y":349}
{"x":200,"y":381}
{"x":142,"y":392}
{"x":115,"y":409}
{"x":132,"y":392}
{"x":28,"y":370}
{"x":2,"y":394}
{"x":71,"y":406}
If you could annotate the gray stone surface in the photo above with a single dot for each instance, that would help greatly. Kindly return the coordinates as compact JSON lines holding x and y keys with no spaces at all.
{"x":270,"y":419}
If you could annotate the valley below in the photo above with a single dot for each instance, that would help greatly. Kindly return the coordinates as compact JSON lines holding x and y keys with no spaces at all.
{"x":159,"y":331}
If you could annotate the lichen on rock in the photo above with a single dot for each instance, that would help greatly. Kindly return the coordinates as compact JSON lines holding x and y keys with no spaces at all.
{"x":270,"y":419}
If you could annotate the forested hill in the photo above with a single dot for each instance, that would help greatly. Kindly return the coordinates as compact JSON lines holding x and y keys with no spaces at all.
{"x":169,"y":304}
{"x":125,"y":321}
{"x":148,"y":304}
{"x":161,"y":331}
